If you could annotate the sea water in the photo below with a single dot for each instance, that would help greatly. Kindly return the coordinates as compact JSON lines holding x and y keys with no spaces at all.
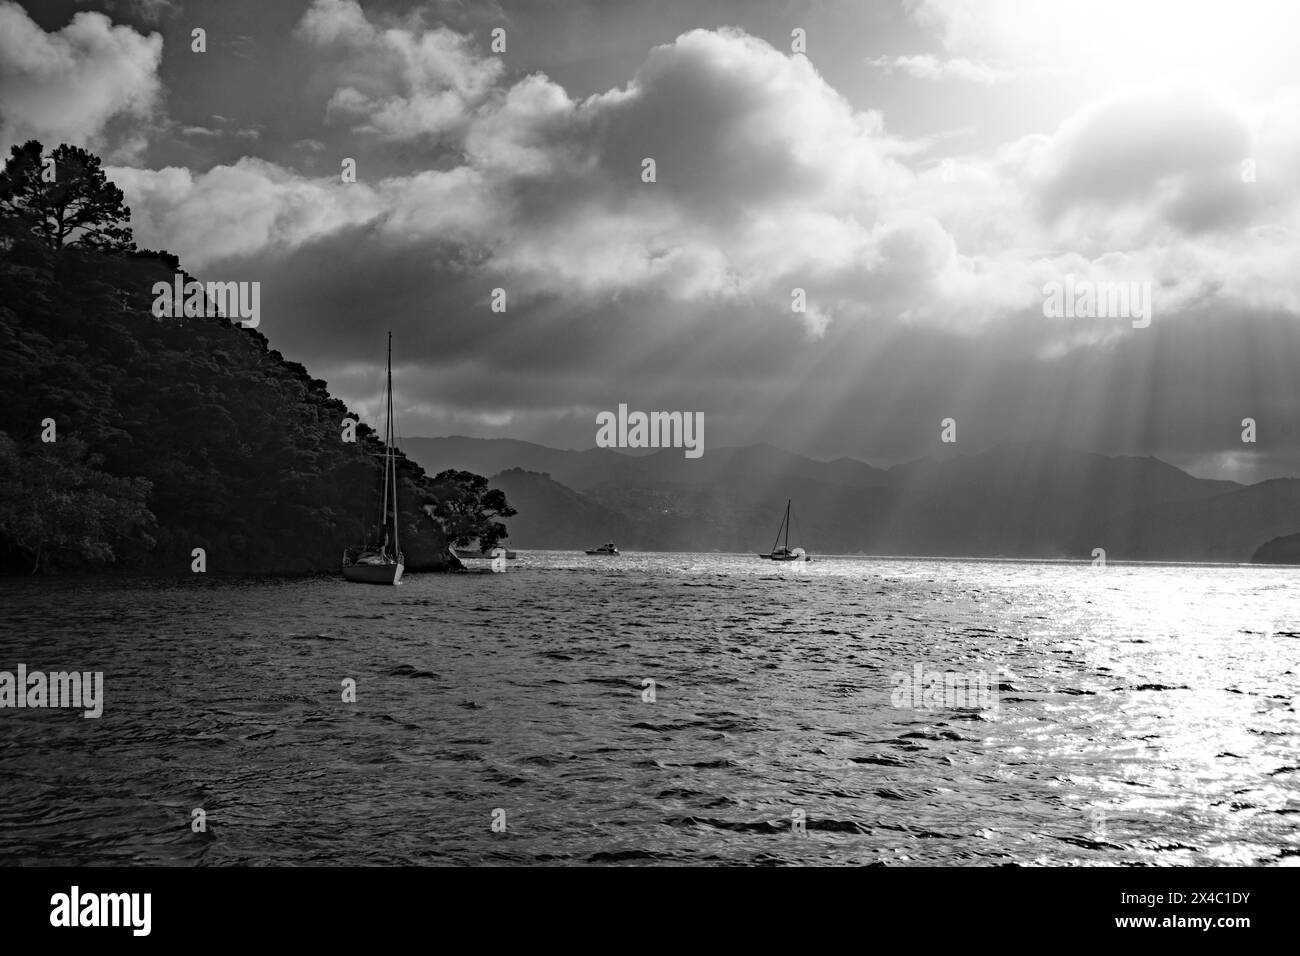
{"x":663,"y":708}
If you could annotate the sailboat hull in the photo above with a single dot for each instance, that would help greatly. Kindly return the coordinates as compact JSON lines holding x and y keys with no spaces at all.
{"x":373,"y":573}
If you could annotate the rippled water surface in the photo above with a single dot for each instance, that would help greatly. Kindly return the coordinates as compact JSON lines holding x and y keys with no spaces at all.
{"x":1146,"y":715}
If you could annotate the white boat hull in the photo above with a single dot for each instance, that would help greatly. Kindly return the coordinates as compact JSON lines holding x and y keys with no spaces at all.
{"x":373,"y":573}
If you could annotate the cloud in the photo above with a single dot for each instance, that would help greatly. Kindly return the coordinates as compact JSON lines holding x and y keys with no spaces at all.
{"x":249,"y":209}
{"x":1175,"y":149}
{"x":207,"y":132}
{"x":768,"y":180}
{"x":399,"y":83}
{"x":341,"y":22}
{"x":765,"y":179}
{"x":150,"y":11}
{"x":153,"y":11}
{"x":69,"y":85}
{"x":928,"y":67}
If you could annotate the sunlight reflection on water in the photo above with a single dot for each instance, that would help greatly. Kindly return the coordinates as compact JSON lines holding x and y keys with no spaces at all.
{"x":1146,"y":715}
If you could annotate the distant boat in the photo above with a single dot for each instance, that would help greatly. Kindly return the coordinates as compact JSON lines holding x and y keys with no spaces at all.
{"x":607,"y":548}
{"x":784,"y":553}
{"x":380,"y":561}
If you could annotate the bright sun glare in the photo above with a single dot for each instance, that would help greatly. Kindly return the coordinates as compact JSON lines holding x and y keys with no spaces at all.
{"x":1233,"y":43}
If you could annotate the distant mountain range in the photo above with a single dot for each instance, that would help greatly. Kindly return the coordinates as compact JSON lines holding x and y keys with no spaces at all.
{"x":1031,"y":500}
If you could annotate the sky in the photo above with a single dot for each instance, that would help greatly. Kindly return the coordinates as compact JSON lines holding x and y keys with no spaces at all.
{"x":923,"y":171}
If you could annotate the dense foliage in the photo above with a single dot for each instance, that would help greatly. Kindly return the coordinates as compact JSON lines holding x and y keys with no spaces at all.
{"x":180,"y":433}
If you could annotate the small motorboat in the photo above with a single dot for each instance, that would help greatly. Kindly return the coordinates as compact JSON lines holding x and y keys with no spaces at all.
{"x":607,"y":548}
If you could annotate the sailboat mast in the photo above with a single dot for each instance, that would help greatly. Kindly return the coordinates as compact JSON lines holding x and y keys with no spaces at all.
{"x":787,"y":523}
{"x":383,"y":484}
{"x":392,"y":463}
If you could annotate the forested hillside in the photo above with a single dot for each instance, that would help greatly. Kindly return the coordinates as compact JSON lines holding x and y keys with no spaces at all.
{"x":128,"y":440}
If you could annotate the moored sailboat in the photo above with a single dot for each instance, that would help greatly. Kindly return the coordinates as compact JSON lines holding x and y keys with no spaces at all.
{"x":784,"y":553}
{"x":381,"y":561}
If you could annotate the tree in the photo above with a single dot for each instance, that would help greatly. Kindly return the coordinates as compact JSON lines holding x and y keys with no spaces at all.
{"x":466,"y":508}
{"x":59,"y":509}
{"x":80,"y":208}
